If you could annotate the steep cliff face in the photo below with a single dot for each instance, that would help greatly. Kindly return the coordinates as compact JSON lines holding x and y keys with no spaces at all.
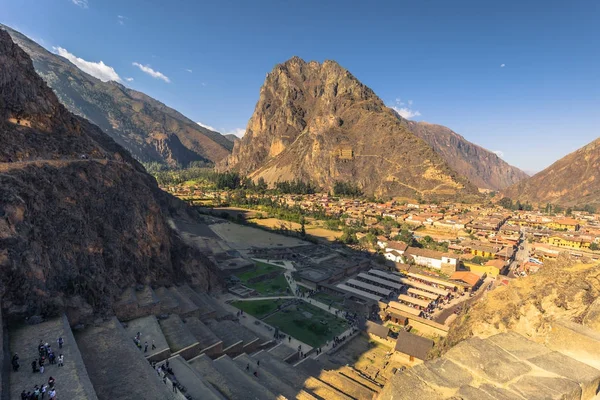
{"x":79,"y":217}
{"x":148,"y":129}
{"x":318,"y":122}
{"x":574,"y":180}
{"x":482,"y":167}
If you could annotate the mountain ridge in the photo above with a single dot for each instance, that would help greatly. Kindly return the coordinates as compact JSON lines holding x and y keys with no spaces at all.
{"x":150,"y":130}
{"x":482,"y":167}
{"x":80,"y":219}
{"x":316,"y":121}
{"x":570,"y":181}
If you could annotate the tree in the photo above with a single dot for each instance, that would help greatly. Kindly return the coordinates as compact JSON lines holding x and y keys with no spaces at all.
{"x":302,"y":228}
{"x":569,"y":211}
{"x":506,"y":202}
{"x":594,"y":246}
{"x":479,"y":260}
{"x":371,"y":238}
{"x":349,"y":236}
{"x":261,"y":185}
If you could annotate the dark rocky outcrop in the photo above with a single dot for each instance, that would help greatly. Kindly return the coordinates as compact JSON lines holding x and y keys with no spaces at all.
{"x":80,"y":219}
{"x":318,"y":122}
{"x":148,"y":129}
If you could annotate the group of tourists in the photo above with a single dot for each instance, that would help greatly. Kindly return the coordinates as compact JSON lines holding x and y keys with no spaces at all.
{"x":164,"y":370}
{"x":46,"y":356}
{"x":39,"y":392}
{"x":138,"y":342}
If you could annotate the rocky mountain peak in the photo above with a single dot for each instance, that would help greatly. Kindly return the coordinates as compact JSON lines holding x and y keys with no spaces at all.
{"x":316,"y":121}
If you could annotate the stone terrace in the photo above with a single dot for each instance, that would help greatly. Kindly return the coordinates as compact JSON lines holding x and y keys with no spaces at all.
{"x":72,"y":380}
{"x":180,"y":339}
{"x":504,"y":366}
{"x":116,"y":367}
{"x":192,"y":380}
{"x":150,"y":332}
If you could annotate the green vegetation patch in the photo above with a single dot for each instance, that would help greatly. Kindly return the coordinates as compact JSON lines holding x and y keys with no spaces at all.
{"x":272,"y":286}
{"x":276,"y":286}
{"x":308,"y":323}
{"x":258,"y":308}
{"x":261,"y":269}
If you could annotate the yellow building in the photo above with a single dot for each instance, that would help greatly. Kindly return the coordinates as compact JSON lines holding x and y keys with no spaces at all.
{"x":568,"y":224}
{"x":491,"y":269}
{"x":565,"y":241}
{"x":484,"y":251}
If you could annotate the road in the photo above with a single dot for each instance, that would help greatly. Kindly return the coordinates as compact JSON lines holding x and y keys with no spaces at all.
{"x":520,"y":257}
{"x":443,"y":316}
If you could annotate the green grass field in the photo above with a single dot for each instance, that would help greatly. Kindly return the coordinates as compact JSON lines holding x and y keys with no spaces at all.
{"x":308,"y":324}
{"x":276,"y":286}
{"x":258,"y":308}
{"x":261,"y":269}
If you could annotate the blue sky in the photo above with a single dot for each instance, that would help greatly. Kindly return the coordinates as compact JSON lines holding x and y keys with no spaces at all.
{"x":518,"y":77}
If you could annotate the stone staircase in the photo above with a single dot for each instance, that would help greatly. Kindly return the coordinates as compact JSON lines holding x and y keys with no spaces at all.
{"x":72,"y":381}
{"x":211,"y":356}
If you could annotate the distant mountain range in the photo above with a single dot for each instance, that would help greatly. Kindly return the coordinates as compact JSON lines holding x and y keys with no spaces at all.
{"x":312,"y":121}
{"x":482,"y":167}
{"x":318,"y":122}
{"x":231,"y":137}
{"x":574,"y":180}
{"x":150,"y":130}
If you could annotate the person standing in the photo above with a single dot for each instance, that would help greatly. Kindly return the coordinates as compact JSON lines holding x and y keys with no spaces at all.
{"x":61,"y":360}
{"x":60,"y":342}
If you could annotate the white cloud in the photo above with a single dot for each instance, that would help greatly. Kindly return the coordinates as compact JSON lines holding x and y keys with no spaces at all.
{"x":206,"y":126}
{"x":97,"y":69}
{"x":121,"y":19}
{"x":499,"y":153}
{"x":239,"y":132}
{"x":405,"y":109}
{"x":203,"y":84}
{"x":406,"y":112}
{"x":151,"y":72}
{"x":502,"y":65}
{"x":80,"y":3}
{"x":129,"y":79}
{"x":188,"y":70}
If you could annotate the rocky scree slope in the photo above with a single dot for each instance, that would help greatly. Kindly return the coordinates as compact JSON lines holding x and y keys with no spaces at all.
{"x":79,"y":218}
{"x":561,"y":290}
{"x":482,"y":167}
{"x":148,"y":129}
{"x":574,"y":180}
{"x":318,"y":122}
